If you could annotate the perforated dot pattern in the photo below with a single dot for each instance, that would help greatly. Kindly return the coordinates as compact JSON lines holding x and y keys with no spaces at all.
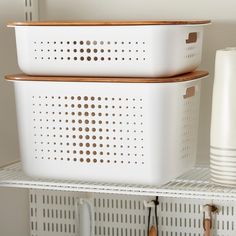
{"x":188,"y":127}
{"x":89,"y":129}
{"x":192,"y":52}
{"x":88,"y":50}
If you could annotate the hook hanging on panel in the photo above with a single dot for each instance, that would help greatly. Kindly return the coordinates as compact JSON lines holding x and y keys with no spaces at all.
{"x":31,"y":10}
{"x":85,"y":216}
{"x":153,"y":231}
{"x":208,"y":212}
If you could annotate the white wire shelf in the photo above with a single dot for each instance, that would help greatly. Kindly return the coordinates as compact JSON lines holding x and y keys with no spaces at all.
{"x":194,"y":184}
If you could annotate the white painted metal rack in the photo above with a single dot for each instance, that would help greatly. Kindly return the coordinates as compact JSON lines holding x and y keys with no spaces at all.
{"x":194,"y":184}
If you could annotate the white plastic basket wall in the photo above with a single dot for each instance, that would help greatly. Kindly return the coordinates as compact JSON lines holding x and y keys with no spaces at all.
{"x":143,"y":50}
{"x":140,"y":133}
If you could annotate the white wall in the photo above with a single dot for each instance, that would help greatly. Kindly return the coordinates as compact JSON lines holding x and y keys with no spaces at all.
{"x":13,"y":202}
{"x":137,"y":9}
{"x":221,"y":34}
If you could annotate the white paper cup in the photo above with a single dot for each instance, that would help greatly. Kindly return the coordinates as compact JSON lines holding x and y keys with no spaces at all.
{"x":223,"y":120}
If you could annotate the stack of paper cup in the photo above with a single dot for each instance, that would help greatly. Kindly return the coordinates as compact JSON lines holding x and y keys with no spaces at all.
{"x":223,"y":121}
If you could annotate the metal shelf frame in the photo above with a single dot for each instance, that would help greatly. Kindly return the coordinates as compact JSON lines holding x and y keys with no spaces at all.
{"x":194,"y":184}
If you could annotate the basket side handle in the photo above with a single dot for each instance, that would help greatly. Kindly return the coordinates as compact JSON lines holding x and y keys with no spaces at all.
{"x":190,"y":92}
{"x":192,"y":38}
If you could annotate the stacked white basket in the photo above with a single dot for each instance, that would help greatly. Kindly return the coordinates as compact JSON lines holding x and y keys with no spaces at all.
{"x":128,"y":127}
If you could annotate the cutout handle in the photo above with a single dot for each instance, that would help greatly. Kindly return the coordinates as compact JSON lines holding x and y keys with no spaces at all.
{"x":192,"y":38}
{"x":190,"y":92}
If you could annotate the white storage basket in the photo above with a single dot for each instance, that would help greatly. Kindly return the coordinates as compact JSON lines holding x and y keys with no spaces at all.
{"x":134,"y":49}
{"x":118,"y":130}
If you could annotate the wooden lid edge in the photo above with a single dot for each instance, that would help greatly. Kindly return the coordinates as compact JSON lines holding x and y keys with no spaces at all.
{"x":109,"y":23}
{"x":180,"y":78}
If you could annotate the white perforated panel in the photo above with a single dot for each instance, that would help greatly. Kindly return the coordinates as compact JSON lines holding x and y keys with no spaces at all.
{"x":180,"y":217}
{"x":53,"y":213}
{"x":191,"y":52}
{"x":86,"y":50}
{"x":89,"y":129}
{"x":184,"y":217}
{"x":189,"y":119}
{"x":122,"y":215}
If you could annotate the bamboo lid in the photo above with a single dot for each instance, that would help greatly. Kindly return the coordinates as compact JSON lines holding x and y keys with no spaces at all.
{"x":110,"y":23}
{"x":180,"y":78}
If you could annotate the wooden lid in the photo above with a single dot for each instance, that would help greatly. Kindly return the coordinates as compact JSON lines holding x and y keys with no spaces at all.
{"x":180,"y":78}
{"x":109,"y":23}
